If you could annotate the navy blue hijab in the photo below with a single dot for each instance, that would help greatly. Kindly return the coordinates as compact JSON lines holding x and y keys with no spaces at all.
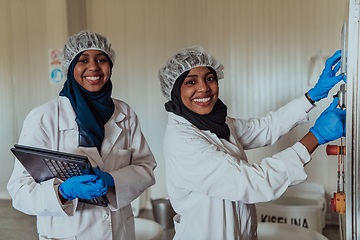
{"x":93,"y":109}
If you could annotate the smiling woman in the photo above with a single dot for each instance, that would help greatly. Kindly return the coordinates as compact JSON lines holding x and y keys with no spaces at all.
{"x":85,"y":120}
{"x":200,"y":90}
{"x":92,"y":70}
{"x":211,"y":185}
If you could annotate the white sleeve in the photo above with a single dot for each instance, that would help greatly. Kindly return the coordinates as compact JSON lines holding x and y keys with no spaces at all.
{"x":195,"y":164}
{"x":254,"y":133}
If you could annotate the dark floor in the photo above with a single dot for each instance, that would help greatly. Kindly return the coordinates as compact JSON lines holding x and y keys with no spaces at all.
{"x":12,"y":220}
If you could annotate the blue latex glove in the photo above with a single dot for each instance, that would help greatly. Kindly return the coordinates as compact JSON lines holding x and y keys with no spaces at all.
{"x":327,"y":78}
{"x":85,"y":187}
{"x":330,"y":125}
{"x":106,"y":177}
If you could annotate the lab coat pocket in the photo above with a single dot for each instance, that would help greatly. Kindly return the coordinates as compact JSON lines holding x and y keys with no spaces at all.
{"x":45,"y":238}
{"x":49,"y":227}
{"x":119,"y":158}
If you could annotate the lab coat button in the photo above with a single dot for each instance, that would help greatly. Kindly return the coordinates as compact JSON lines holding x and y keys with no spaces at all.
{"x":105,"y":216}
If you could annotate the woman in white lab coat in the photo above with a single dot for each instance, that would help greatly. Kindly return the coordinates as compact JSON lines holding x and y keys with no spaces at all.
{"x":85,"y":120}
{"x":211,"y":185}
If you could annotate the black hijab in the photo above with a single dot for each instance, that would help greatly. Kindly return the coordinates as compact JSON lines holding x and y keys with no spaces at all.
{"x":93,"y":109}
{"x":214,"y":121}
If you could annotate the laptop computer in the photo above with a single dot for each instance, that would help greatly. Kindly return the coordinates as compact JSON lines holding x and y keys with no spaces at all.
{"x":44,"y":164}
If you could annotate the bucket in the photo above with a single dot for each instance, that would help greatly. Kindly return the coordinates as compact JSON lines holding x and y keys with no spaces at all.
{"x":147,"y":230}
{"x":163,"y":212}
{"x":274,"y":231}
{"x":303,"y":206}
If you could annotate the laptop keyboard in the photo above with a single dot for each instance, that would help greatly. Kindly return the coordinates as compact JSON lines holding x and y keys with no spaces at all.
{"x":63,"y":170}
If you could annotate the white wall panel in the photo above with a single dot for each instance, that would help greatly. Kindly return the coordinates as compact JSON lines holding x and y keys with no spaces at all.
{"x":265,"y":45}
{"x":29,"y":29}
{"x":7,"y":118}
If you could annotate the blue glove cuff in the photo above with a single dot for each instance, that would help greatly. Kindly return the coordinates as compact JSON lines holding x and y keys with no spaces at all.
{"x":63,"y":194}
{"x":320,"y":139}
{"x":106,"y":176}
{"x":316,"y":96}
{"x":309,"y":99}
{"x":109,"y":180}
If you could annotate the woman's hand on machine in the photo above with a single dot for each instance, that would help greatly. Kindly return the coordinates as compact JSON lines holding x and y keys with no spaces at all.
{"x":328,"y":78}
{"x":330,"y":125}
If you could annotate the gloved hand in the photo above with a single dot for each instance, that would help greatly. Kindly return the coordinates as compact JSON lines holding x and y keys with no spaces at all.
{"x":105,"y":176}
{"x":327,"y":78}
{"x":330,"y":125}
{"x":85,"y":187}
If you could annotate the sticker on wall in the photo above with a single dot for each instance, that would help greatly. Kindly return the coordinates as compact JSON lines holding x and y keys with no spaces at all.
{"x":54,"y":56}
{"x":56,"y":75}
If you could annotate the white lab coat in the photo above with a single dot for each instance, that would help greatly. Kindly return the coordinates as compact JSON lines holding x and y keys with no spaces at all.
{"x":124,"y":154}
{"x":211,"y":185}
